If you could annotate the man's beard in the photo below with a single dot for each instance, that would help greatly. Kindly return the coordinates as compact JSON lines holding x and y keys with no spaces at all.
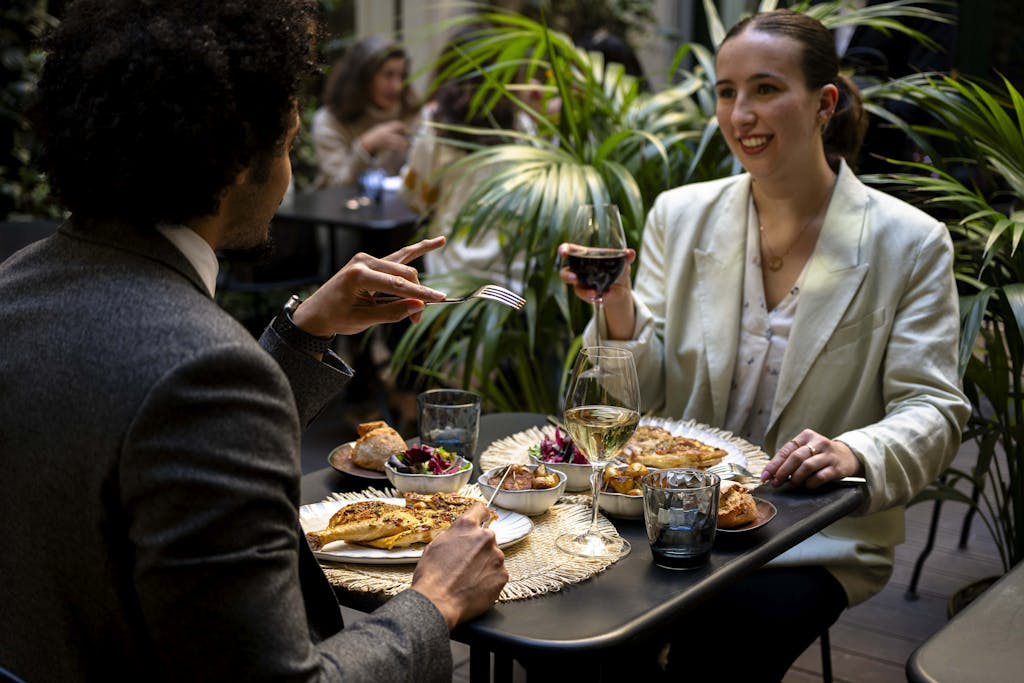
{"x":258,"y":255}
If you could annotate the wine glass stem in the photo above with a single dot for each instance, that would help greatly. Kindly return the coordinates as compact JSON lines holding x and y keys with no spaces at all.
{"x":595,"y":488}
{"x":597,"y":319}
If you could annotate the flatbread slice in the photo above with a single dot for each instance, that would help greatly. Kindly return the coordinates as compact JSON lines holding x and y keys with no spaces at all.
{"x":363,"y":521}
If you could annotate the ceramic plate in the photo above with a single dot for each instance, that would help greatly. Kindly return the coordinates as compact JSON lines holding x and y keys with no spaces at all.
{"x":514,"y":448}
{"x":509,"y":528}
{"x":341,"y":459}
{"x":765,"y":513}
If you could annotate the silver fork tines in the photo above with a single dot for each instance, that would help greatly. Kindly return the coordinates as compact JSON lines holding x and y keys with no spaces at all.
{"x":491,"y":292}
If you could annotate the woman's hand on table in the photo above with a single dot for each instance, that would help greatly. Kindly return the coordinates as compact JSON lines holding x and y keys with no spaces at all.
{"x":810,"y":459}
{"x":617,"y":302}
{"x":345,"y":303}
{"x":462,"y":571}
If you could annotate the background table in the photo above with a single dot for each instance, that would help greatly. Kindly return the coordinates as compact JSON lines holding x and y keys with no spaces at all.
{"x":984,"y":643}
{"x":381,"y":228}
{"x":633,"y":599}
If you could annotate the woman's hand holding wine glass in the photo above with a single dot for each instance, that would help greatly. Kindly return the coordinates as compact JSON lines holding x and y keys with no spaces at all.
{"x":598,"y":262}
{"x":602,"y":409}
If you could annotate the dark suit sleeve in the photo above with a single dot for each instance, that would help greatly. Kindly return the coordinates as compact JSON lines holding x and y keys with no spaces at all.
{"x":313,"y":382}
{"x":209,"y":488}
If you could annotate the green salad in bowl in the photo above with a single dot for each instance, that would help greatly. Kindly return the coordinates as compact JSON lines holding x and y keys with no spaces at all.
{"x":425,"y":469}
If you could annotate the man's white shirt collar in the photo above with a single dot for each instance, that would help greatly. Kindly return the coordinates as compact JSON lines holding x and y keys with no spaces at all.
{"x":197,"y":250}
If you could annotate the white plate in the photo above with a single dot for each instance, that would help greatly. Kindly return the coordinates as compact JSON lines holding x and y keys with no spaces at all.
{"x":510,"y":527}
{"x":514,"y":448}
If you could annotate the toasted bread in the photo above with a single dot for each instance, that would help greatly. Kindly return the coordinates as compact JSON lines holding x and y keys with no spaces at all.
{"x":736,"y":507}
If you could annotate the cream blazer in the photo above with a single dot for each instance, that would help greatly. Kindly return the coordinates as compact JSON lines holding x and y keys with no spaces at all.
{"x":871,"y":360}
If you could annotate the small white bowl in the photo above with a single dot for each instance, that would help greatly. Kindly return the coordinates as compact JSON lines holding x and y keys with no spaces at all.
{"x":428,"y":483}
{"x":577,"y":476}
{"x":620,"y":505}
{"x":529,"y":502}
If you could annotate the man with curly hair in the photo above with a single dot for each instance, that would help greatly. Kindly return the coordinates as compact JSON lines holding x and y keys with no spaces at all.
{"x":150,"y":445}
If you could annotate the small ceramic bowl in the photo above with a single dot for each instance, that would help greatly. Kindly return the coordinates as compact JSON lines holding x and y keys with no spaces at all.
{"x":428,"y":483}
{"x":620,"y":505}
{"x":577,"y":476}
{"x":529,"y":502}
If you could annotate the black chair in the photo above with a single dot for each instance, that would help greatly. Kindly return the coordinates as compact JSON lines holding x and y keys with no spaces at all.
{"x":295,"y":261}
{"x":252,"y":288}
{"x":933,"y":527}
{"x":7,"y":677}
{"x":826,"y":657}
{"x":15,"y":235}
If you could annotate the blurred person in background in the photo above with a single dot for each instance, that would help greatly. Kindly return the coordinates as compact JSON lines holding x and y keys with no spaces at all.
{"x":368,"y":110}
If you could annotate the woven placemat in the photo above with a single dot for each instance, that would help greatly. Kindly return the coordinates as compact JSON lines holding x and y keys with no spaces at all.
{"x":535,"y":565}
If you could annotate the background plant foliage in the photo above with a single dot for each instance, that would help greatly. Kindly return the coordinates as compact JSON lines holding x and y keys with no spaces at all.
{"x":606,"y":143}
{"x":980,"y":185}
{"x":23,"y":189}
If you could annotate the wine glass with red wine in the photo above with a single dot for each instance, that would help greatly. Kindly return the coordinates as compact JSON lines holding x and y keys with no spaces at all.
{"x":597,"y":252}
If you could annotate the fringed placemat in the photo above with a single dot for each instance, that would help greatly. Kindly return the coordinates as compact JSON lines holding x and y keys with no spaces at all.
{"x":513,"y":449}
{"x":535,"y":565}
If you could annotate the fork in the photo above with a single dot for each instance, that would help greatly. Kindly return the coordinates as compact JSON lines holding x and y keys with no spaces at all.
{"x":730,"y":470}
{"x":492,"y":292}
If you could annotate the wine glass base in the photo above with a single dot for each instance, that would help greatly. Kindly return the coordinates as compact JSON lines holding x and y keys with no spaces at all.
{"x":593,"y":545}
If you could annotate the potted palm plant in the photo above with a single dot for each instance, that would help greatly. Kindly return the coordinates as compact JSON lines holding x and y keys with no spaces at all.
{"x":983,"y":124}
{"x":603,"y":142}
{"x":607,"y":143}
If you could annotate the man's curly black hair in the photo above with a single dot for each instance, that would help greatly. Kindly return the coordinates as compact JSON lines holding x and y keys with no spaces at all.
{"x":148,"y":109}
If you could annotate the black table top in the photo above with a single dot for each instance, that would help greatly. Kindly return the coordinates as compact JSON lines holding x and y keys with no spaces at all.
{"x":984,"y":642}
{"x":633,"y":598}
{"x":330,"y":206}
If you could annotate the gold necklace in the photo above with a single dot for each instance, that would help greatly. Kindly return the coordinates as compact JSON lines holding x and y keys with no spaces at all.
{"x":775,"y":263}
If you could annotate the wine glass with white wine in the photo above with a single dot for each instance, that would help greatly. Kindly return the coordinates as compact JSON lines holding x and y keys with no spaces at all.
{"x":597,"y":251}
{"x":602,"y":409}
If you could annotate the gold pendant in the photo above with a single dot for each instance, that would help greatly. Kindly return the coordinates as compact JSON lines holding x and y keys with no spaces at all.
{"x":774,"y":264}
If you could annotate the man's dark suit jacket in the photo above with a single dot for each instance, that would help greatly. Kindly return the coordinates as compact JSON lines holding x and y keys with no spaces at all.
{"x":150,"y":484}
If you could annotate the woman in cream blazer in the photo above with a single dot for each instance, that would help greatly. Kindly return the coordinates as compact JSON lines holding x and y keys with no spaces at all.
{"x":871,"y":358}
{"x":806,"y":312}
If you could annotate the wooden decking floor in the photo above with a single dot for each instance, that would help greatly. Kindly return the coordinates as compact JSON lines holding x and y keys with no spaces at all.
{"x":872,"y":641}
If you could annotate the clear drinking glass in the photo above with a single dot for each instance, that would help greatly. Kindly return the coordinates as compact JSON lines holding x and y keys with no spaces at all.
{"x":450,"y":419}
{"x":598,"y":252}
{"x":681,"y":515}
{"x":602,"y":409}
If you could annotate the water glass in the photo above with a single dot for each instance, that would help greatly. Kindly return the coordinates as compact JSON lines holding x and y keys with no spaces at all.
{"x":450,"y":419}
{"x":681,"y":515}
{"x":371,"y":184}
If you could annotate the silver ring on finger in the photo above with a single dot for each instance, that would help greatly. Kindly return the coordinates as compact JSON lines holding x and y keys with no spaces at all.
{"x":811,"y":449}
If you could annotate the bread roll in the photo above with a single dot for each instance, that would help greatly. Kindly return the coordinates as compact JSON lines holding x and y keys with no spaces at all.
{"x":367,"y":427}
{"x":375,"y":446}
{"x":736,"y":507}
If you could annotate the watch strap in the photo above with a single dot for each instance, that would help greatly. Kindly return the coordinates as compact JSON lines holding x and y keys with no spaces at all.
{"x":295,"y":336}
